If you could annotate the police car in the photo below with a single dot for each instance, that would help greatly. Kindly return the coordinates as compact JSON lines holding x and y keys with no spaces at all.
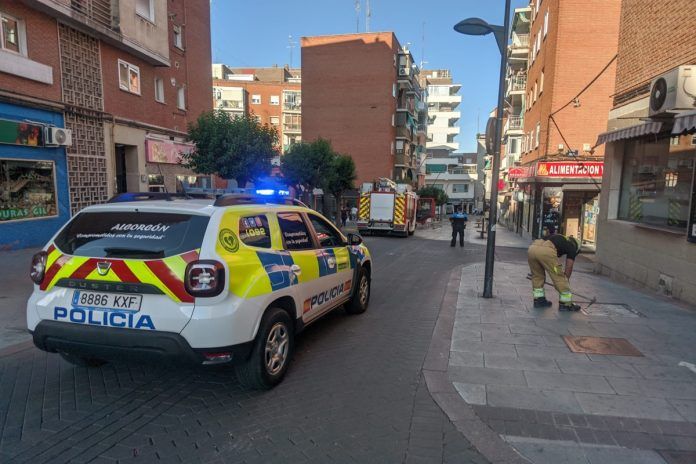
{"x":229,"y":280}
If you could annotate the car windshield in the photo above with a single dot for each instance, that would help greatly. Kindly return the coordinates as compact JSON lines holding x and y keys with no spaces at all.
{"x":130,"y":234}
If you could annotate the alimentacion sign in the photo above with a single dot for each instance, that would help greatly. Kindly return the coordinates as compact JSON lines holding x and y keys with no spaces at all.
{"x":570,"y":169}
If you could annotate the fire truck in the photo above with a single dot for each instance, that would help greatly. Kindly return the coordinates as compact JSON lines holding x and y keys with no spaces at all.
{"x":386,"y":206}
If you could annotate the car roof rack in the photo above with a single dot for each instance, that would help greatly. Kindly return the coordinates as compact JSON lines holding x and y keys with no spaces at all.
{"x":154,"y":196}
{"x":232,"y":199}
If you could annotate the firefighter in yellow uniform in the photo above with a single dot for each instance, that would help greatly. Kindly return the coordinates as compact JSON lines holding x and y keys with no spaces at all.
{"x":543,"y":258}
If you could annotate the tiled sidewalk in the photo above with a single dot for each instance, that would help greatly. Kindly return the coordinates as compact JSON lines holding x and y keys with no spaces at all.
{"x":511,"y":364}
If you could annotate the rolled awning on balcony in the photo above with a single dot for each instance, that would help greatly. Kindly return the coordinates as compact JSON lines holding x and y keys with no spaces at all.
{"x":629,"y":132}
{"x":684,"y":122}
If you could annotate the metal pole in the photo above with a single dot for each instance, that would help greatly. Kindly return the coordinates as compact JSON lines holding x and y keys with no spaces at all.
{"x":493,"y":211}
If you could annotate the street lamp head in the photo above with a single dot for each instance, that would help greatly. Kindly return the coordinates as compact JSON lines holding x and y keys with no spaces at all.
{"x":473,"y":26}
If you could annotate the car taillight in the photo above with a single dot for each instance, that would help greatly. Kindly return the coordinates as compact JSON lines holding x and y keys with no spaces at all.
{"x":38,"y":267}
{"x":205,"y":278}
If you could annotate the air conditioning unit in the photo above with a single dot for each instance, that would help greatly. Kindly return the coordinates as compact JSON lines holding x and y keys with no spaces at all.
{"x":404,"y":71}
{"x":58,"y":136}
{"x":673,"y":91}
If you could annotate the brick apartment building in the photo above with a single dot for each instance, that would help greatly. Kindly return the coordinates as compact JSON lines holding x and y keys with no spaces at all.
{"x":569,"y":81}
{"x":361,"y":92}
{"x":122,"y":77}
{"x":647,"y":221}
{"x":273,"y":94}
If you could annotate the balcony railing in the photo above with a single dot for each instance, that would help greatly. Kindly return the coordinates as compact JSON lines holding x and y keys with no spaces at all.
{"x":515,"y":123}
{"x":98,"y":11}
{"x":292,"y":106}
{"x":292,"y":127}
{"x":520,"y":41}
{"x":517,"y":83}
{"x":231,"y":104}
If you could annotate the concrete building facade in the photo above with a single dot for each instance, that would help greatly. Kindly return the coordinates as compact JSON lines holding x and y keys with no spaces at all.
{"x":647,"y":219}
{"x":361,"y":92}
{"x":570,"y":78}
{"x":121,"y":78}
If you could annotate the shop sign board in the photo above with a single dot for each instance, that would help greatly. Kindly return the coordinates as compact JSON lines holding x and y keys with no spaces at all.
{"x":570,"y":169}
{"x":21,"y":133}
{"x":165,"y":151}
{"x":519,"y":172}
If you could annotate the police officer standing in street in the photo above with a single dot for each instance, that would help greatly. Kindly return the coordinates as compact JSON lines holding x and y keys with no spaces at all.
{"x":458,"y":220}
{"x":543,"y":258}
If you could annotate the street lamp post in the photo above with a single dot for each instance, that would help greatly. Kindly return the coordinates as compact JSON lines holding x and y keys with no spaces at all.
{"x":476,"y":26}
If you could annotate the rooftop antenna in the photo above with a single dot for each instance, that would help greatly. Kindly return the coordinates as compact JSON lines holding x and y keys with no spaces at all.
{"x":291,"y":47}
{"x":357,"y":16}
{"x":368,"y":15}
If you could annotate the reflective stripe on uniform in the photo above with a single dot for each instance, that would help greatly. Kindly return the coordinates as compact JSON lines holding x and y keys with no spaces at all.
{"x":538,"y":292}
{"x":565,"y":297}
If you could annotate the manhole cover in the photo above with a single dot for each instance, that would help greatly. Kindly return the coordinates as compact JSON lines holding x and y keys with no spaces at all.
{"x":611,"y":309}
{"x":601,"y":345}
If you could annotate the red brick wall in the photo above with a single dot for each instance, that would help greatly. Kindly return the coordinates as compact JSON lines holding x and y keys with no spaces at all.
{"x":347,"y":97}
{"x":193,"y":71}
{"x":42,"y":46}
{"x":654,"y":38}
{"x":581,"y":41}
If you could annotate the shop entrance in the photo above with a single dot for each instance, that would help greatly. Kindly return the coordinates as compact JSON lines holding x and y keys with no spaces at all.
{"x":126,"y":168}
{"x":580,"y":211}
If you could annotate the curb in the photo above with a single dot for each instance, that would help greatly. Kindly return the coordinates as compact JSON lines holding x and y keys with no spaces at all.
{"x":441,"y":389}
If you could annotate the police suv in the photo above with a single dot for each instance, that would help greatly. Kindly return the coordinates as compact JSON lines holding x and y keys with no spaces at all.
{"x":208,"y":281}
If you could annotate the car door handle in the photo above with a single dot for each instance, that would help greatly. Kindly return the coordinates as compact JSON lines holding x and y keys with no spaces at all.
{"x":297,"y":270}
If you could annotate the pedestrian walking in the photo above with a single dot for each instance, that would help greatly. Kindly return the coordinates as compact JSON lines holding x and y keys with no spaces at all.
{"x":344,"y":216}
{"x":458,"y":221}
{"x":354,"y":213}
{"x":543,"y":258}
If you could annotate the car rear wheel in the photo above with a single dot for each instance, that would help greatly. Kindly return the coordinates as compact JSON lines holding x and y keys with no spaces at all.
{"x":361,"y":299}
{"x":271,"y":354}
{"x":82,"y":361}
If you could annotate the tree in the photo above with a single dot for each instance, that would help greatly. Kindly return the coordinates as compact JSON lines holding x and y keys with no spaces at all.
{"x":435,"y":193}
{"x":306,"y":165}
{"x":239,"y":148}
{"x":340,"y":178}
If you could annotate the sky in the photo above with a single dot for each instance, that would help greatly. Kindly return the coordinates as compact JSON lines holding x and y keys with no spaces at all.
{"x":255,"y":33}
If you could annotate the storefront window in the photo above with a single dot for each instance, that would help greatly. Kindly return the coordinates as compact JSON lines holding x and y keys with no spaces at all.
{"x":155,"y":182}
{"x":27,"y":189}
{"x":656,"y":183}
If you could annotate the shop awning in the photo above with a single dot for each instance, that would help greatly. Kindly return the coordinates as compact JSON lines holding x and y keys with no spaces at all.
{"x":684,"y":122}
{"x":629,"y":132}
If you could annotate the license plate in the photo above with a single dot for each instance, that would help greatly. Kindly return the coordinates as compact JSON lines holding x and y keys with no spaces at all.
{"x":381,"y":225}
{"x":106,"y":301}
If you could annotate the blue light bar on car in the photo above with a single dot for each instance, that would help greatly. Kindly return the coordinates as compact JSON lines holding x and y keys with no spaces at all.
{"x":272,"y":192}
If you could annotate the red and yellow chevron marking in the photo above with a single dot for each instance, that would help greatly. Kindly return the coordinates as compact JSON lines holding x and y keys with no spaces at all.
{"x":364,"y":210}
{"x":166,"y":274}
{"x":399,"y":208}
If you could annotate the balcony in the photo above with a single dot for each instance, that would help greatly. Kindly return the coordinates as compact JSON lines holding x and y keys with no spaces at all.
{"x":519,"y":42}
{"x":514,"y":123}
{"x":292,"y":106}
{"x":231,"y":105}
{"x":292,"y":128}
{"x":404,"y":132}
{"x":517,"y":84}
{"x":97,"y":11}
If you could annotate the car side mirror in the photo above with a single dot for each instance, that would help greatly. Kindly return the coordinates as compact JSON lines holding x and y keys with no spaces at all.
{"x":354,"y":239}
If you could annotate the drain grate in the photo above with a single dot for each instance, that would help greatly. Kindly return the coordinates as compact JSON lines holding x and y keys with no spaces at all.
{"x":612,"y":309}
{"x":601,"y":345}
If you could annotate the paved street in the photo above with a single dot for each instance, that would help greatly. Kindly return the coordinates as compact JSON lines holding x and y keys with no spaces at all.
{"x":355,"y":392}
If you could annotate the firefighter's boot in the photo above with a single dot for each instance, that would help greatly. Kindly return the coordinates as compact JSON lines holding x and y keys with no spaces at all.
{"x":541,"y":303}
{"x":568,"y":307}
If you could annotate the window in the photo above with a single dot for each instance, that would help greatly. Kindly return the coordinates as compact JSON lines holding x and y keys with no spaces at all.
{"x":674,"y":140}
{"x":256,"y":99}
{"x":159,"y":89}
{"x":275,"y":121}
{"x":145,"y":9}
{"x":181,"y":98}
{"x":538,"y":46}
{"x":546,"y":23}
{"x":275,"y":100}
{"x":393,"y":120}
{"x":294,"y":232}
{"x":391,"y":147}
{"x":460,"y":188}
{"x":439,"y":186}
{"x":254,"y":231}
{"x":193,"y":182}
{"x":28,"y":189}
{"x":541,"y":82}
{"x":155,"y":183}
{"x":394,"y":90}
{"x":327,"y":234}
{"x":537,"y":134}
{"x":128,"y":77}
{"x":128,"y":234}
{"x":535,"y":91}
{"x":514,"y":145}
{"x":693,"y":139}
{"x":656,"y":183}
{"x":178,"y":37}
{"x":10,"y":34}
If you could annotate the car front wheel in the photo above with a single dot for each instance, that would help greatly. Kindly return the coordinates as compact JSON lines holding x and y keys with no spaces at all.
{"x":271,"y":354}
{"x":361,"y":298}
